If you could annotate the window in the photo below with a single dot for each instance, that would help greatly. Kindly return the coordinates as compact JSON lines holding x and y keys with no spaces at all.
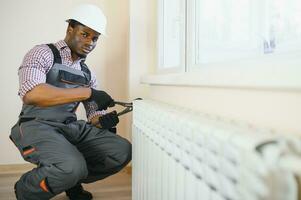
{"x":195,"y":34}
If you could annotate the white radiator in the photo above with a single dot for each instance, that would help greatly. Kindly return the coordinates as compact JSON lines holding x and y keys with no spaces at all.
{"x":179,"y":154}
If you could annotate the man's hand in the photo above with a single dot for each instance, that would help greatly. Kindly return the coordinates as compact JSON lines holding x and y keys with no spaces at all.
{"x":109,"y":120}
{"x":101,"y":98}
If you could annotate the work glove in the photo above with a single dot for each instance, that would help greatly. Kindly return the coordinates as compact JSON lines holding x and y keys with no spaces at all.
{"x":101,"y":98}
{"x":109,"y":120}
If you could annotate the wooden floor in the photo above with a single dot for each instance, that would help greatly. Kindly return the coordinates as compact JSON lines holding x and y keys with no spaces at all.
{"x":116,"y":187}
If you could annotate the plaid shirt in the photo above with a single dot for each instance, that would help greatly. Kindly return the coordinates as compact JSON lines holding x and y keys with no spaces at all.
{"x":37,"y":63}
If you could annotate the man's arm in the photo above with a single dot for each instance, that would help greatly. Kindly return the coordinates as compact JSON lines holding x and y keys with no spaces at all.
{"x":45,"y":95}
{"x":32,"y":78}
{"x":35,"y":91}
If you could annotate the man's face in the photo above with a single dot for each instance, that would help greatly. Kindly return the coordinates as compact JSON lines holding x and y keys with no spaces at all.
{"x":82,"y":40}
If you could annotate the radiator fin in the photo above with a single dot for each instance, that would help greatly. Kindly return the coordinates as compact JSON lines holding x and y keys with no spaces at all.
{"x":179,"y":154}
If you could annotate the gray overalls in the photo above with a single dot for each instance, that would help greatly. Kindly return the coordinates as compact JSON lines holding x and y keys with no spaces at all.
{"x":66,"y":151}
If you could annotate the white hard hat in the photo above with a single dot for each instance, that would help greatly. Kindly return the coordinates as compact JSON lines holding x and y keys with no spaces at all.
{"x":90,"y":16}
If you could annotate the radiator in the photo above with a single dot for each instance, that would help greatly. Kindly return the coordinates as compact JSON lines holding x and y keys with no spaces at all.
{"x":179,"y":154}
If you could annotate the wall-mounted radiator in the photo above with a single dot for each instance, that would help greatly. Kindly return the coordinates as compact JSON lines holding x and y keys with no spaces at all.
{"x":179,"y":154}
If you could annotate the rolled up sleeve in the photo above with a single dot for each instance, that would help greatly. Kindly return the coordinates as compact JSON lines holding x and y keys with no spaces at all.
{"x":33,"y":69}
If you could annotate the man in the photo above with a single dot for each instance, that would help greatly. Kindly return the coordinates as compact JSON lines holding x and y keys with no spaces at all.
{"x":53,"y":81}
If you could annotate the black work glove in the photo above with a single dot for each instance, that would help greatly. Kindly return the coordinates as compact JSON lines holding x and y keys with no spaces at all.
{"x":109,"y":120}
{"x":102,"y":99}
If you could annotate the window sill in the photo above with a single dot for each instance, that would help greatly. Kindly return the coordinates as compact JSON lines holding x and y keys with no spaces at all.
{"x":279,"y":74}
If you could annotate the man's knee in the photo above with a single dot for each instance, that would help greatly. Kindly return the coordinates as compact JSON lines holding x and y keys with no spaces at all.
{"x":67,"y":174}
{"x":124,"y":153}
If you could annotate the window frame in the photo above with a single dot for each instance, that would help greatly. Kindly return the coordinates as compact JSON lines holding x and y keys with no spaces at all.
{"x":161,"y":42}
{"x":278,"y":70}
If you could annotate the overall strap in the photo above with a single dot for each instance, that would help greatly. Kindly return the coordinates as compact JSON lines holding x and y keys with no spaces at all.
{"x":56,"y":54}
{"x":87,"y":74}
{"x":85,"y":69}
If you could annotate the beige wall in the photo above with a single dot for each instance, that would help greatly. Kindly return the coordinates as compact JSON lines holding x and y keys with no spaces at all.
{"x":276,"y":110}
{"x":142,"y":43}
{"x":27,"y":23}
{"x":271,"y":109}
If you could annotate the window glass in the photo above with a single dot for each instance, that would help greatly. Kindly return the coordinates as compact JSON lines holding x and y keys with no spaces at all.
{"x":224,"y":30}
{"x":282,"y":28}
{"x":171,"y":34}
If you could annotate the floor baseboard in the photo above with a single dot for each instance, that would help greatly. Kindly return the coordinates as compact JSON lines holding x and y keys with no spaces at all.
{"x":22,"y":168}
{"x":15,"y":168}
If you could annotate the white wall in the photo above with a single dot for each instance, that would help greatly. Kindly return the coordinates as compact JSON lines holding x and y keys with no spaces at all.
{"x":279,"y":110}
{"x":27,"y":23}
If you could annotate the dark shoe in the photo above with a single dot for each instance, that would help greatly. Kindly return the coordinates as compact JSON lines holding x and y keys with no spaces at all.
{"x":77,"y":192}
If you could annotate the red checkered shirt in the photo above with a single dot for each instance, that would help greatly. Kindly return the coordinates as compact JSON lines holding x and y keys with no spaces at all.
{"x":37,"y":63}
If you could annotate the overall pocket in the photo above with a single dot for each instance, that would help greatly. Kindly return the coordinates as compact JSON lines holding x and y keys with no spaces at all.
{"x":70,"y":78}
{"x":23,"y":141}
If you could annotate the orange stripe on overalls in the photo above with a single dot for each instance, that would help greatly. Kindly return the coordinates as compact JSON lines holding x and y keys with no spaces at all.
{"x":29,"y":151}
{"x":44,"y":186}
